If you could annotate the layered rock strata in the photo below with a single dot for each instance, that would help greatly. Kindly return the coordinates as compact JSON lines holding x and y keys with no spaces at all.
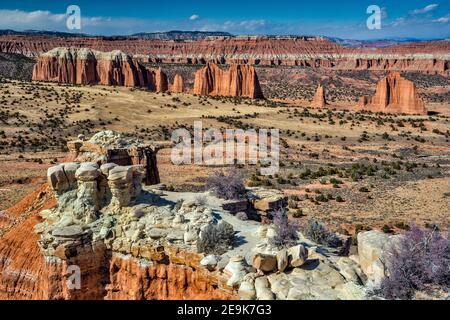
{"x":238,"y":80}
{"x":394,"y":94}
{"x":86,"y":66}
{"x":104,"y":219}
{"x":314,"y":52}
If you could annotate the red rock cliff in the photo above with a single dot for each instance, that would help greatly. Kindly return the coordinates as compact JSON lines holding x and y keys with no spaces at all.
{"x":239,"y":80}
{"x":395,"y":94}
{"x":85,"y":66}
{"x":26,"y":274}
{"x":314,"y":52}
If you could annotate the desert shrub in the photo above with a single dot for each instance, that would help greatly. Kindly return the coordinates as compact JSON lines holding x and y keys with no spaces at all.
{"x":216,"y":238}
{"x":226,"y":185}
{"x":286,"y":230}
{"x":298,"y":213}
{"x":200,"y":200}
{"x":386,"y":229}
{"x":421,"y":258}
{"x":242,"y":216}
{"x":178,"y":204}
{"x":319,"y":233}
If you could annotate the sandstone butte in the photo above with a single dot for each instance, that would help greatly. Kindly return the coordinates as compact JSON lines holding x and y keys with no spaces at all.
{"x":86,"y":66}
{"x":319,"y":98}
{"x":178,"y":84}
{"x":394,"y":94}
{"x":238,"y":80}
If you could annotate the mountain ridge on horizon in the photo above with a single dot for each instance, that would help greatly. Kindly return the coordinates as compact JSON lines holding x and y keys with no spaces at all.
{"x":183,"y":35}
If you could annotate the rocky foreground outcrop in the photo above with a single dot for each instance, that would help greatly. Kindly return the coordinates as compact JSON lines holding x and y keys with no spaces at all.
{"x":88,"y":67}
{"x":96,"y":232}
{"x":394,"y":94}
{"x":112,"y":147}
{"x":237,"y":81}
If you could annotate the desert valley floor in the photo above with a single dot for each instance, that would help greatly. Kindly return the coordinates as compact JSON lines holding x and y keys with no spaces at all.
{"x":350,"y":169}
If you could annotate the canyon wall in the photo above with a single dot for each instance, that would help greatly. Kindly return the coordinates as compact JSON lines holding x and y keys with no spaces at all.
{"x":86,"y":66}
{"x":238,"y":80}
{"x":315,"y":52}
{"x":394,"y":94}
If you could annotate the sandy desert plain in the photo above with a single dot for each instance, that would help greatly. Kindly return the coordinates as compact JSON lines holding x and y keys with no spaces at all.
{"x":351,"y":169}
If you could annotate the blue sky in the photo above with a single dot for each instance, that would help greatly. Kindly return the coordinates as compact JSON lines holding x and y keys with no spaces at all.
{"x":345,"y":19}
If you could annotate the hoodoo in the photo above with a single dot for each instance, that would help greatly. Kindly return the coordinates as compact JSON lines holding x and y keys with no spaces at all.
{"x":178,"y":84}
{"x":395,"y":94}
{"x":161,"y":81}
{"x":86,"y":66}
{"x":239,"y":80}
{"x":319,"y":99}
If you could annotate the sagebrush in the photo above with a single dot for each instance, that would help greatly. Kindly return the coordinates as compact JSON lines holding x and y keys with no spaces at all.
{"x":319,"y":233}
{"x":422,"y":258}
{"x":226,"y":185}
{"x":285,"y":229}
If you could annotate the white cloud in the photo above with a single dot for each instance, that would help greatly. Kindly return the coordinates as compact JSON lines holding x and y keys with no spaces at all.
{"x":194,"y":17}
{"x":425,"y":9}
{"x":11,"y":19}
{"x":443,"y":19}
{"x":103,"y":25}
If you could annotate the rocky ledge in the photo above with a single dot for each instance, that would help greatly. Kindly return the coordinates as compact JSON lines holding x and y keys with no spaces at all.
{"x":135,"y":242}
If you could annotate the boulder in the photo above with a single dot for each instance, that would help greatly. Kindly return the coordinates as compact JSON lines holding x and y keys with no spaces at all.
{"x":374,"y":248}
{"x":265,"y":262}
{"x":266,"y":200}
{"x":120,"y":174}
{"x":247,"y":291}
{"x":282,"y":260}
{"x":210,"y":262}
{"x":262,"y":289}
{"x":235,"y":270}
{"x":88,"y":171}
{"x":297,"y":256}
{"x":57,"y":179}
{"x":107,"y":167}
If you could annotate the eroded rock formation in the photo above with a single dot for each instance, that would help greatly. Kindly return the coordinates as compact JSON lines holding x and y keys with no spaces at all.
{"x":395,"y":94}
{"x":319,"y":98}
{"x":112,"y":147}
{"x":238,"y":80}
{"x":178,"y":84}
{"x":86,"y":66}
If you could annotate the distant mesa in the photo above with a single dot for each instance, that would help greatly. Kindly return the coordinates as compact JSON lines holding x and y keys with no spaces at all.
{"x":90,"y":67}
{"x":319,"y":100}
{"x":394,"y":94}
{"x":238,"y":80}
